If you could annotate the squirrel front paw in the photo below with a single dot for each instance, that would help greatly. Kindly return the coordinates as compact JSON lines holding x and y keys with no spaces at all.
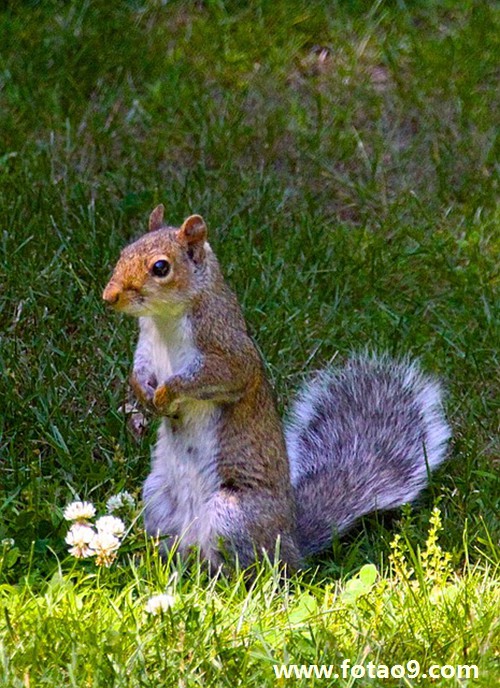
{"x":164,"y":402}
{"x":144,"y":389}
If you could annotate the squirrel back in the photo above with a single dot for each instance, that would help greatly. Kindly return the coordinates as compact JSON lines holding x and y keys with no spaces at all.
{"x":361,"y":438}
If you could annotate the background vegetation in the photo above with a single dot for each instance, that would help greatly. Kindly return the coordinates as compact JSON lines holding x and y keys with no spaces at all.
{"x":343,"y":155}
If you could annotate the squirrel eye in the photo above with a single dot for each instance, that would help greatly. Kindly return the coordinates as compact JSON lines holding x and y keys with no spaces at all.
{"x":161,"y":268}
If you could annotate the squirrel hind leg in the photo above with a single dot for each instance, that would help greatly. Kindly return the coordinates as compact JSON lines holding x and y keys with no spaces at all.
{"x":253,"y":525}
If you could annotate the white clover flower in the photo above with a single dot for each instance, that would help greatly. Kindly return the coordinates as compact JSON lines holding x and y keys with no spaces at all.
{"x":159,"y":604}
{"x":104,"y":546}
{"x":119,"y":501}
{"x":79,"y":511}
{"x":110,"y":524}
{"x":79,"y":537}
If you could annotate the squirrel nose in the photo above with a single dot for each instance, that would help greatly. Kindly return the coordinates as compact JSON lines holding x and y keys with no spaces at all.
{"x":111,"y":294}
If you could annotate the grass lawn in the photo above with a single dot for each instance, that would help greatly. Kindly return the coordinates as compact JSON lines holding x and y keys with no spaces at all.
{"x":343,"y":155}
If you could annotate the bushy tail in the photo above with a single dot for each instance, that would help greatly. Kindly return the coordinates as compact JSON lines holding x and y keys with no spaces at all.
{"x":361,"y":438}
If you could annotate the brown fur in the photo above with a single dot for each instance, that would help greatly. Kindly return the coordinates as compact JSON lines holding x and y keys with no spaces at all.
{"x":255,"y":504}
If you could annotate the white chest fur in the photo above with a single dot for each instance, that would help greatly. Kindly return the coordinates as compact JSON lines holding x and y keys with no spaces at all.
{"x":171,"y":345}
{"x":184,"y":477}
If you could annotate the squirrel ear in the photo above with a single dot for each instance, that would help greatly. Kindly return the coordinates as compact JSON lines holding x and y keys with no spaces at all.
{"x":156,"y":218}
{"x":193,"y":230}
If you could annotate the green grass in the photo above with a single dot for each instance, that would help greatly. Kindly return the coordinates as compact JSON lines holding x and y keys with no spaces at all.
{"x":352,"y":198}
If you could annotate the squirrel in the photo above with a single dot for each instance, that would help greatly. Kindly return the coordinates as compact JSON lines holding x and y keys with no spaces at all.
{"x":227,"y":476}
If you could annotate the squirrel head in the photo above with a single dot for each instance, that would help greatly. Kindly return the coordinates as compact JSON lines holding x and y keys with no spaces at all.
{"x":160,"y":273}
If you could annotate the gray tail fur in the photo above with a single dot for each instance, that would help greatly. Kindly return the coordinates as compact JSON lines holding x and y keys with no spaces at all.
{"x":362,"y":438}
